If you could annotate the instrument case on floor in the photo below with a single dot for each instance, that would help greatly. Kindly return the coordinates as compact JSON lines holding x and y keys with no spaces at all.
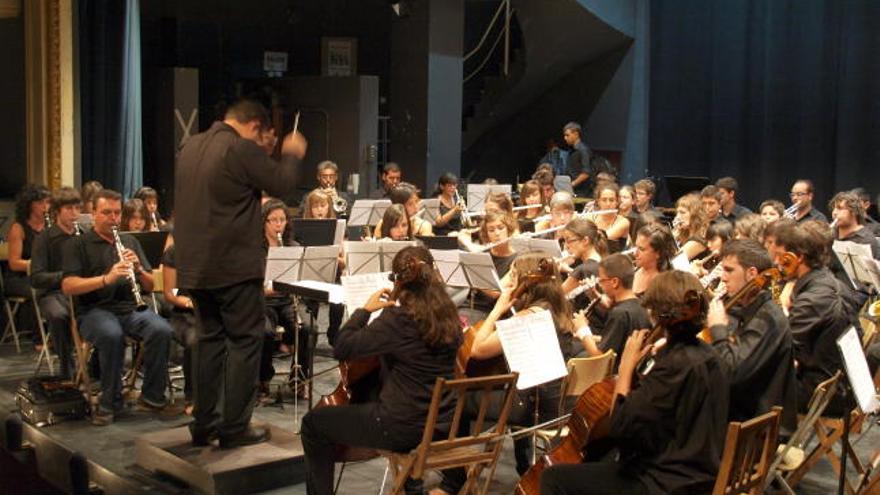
{"x":48,"y":400}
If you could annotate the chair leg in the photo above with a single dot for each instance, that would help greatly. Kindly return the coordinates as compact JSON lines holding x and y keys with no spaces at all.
{"x":44,"y":337}
{"x":10,"y":324}
{"x":402,"y":473}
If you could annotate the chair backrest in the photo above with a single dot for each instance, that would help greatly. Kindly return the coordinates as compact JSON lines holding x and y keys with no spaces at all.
{"x":748,"y":450}
{"x":584,"y":372}
{"x":438,"y":454}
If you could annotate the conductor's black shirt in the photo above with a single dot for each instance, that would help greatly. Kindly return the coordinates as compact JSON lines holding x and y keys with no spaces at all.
{"x":218,"y":227}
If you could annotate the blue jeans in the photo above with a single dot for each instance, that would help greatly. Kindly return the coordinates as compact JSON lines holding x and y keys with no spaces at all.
{"x":107,"y":331}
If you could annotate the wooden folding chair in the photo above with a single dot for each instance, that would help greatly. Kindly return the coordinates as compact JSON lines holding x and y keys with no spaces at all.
{"x":748,"y":450}
{"x":45,"y":355}
{"x":474,"y":452}
{"x":17,"y":302}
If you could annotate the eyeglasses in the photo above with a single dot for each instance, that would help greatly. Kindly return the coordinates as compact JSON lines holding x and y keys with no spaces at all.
{"x":276,"y":220}
{"x":328,"y":176}
{"x":795,"y":194}
{"x":572,"y":240}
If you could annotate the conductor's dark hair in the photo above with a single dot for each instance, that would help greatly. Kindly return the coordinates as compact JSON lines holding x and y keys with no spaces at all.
{"x":247,"y":110}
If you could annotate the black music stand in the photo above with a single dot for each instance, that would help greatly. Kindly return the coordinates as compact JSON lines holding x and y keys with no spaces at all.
{"x":153,"y":244}
{"x":314,"y":231}
{"x":441,"y":242}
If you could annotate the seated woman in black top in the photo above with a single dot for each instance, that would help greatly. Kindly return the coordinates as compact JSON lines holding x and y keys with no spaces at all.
{"x":449,"y":220}
{"x":689,"y":226}
{"x":614,"y":224}
{"x":417,"y":338}
{"x":670,"y":426}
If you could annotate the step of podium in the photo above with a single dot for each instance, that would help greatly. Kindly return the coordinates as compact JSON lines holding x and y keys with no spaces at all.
{"x":211,"y":470}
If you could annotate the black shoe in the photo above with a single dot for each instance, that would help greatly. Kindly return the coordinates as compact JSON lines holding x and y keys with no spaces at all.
{"x":249,"y":436}
{"x":202,"y":438}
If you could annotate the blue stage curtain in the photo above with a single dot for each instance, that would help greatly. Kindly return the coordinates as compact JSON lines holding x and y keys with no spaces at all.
{"x":767,"y":92}
{"x":110,"y":93}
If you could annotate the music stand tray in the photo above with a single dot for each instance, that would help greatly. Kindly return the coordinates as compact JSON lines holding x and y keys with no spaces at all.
{"x":314,"y":231}
{"x":153,"y":244}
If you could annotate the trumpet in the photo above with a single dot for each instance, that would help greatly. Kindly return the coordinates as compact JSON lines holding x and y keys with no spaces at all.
{"x":132,"y":278}
{"x":791,"y":212}
{"x":340,"y":204}
{"x":77,"y":230}
{"x":463,"y":212}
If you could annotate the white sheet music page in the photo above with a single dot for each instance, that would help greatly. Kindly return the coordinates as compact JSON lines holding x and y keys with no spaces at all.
{"x":362,"y":257}
{"x":851,"y":255}
{"x":857,"y":370}
{"x":531,"y":348}
{"x":358,"y":288}
{"x":335,"y":293}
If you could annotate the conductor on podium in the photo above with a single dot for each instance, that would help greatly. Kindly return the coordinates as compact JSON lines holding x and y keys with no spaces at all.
{"x":221,"y":259}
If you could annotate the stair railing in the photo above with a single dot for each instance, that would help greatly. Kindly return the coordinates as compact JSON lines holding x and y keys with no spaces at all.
{"x":503,"y":34}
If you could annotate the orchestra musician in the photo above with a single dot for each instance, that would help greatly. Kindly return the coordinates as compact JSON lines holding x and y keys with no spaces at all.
{"x":626,"y":313}
{"x":106,"y":307}
{"x":47,"y":271}
{"x":279,"y":308}
{"x":395,"y":224}
{"x":717,"y":235}
{"x":135,"y":217}
{"x":753,"y":339}
{"x":449,"y":220}
{"x":818,"y":314}
{"x":542,"y":291}
{"x":391,"y":176}
{"x":771,"y":210}
{"x":87,"y":192}
{"x":645,"y":192}
{"x":615,"y":225}
{"x":182,"y":319}
{"x":530,"y":194}
{"x":151,"y":200}
{"x":31,"y":218}
{"x":579,"y":164}
{"x":670,"y":427}
{"x":586,"y":244}
{"x":561,"y":212}
{"x":711,"y":198}
{"x":318,"y":205}
{"x":221,"y":260}
{"x":416,"y":337}
{"x":730,"y":210}
{"x":408,"y":196}
{"x":849,"y":216}
{"x":750,"y":226}
{"x":654,"y":251}
{"x":690,"y":225}
{"x":544,"y":178}
{"x":626,"y":207}
{"x":802,"y":198}
{"x":495,"y":228}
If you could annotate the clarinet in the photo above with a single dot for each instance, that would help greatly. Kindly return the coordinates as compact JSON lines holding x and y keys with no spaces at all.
{"x":48,"y":220}
{"x":77,"y":230}
{"x":132,"y":278}
{"x":280,"y":239}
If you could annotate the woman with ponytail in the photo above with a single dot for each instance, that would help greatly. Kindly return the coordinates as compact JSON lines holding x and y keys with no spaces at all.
{"x":416,"y":337}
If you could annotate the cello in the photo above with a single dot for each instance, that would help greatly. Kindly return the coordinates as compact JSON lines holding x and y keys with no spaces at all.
{"x":359,"y":378}
{"x":590,"y":420}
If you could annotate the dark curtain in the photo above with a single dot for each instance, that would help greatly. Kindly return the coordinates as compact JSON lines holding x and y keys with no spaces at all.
{"x":767,"y":92}
{"x":109,"y":122}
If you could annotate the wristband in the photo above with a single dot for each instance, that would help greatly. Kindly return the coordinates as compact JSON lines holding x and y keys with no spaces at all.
{"x":583,"y":332}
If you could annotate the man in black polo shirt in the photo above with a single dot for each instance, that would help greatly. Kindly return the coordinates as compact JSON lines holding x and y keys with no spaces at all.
{"x":220,"y":257}
{"x":106,"y":309}
{"x":578,"y":166}
{"x":391,"y":176}
{"x":47,"y":272}
{"x":730,"y":210}
{"x":802,"y":196}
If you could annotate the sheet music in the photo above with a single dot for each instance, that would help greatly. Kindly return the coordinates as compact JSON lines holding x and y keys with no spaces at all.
{"x":476,"y":194}
{"x":449,"y":266}
{"x":681,"y":263}
{"x":358,"y":288}
{"x":432,"y":209}
{"x":531,"y":348}
{"x":320,"y":263}
{"x":335,"y":293}
{"x":479,"y":270}
{"x":283,"y":264}
{"x":857,"y":370}
{"x":873,"y":268}
{"x":851,"y":256}
{"x":339,"y":235}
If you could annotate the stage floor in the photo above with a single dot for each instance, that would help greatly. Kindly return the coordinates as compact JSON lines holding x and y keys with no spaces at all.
{"x":111,"y":449}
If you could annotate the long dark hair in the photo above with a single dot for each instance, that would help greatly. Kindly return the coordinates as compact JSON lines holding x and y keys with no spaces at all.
{"x":660,"y":239}
{"x":28,"y":195}
{"x":390,"y":218}
{"x":423,"y":296}
{"x":586,"y":229}
{"x":548,"y":292}
{"x":134,"y":207}
{"x":270,"y":206}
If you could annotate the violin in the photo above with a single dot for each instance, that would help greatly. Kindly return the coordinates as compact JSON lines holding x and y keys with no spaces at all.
{"x":359,"y":378}
{"x":788,"y":264}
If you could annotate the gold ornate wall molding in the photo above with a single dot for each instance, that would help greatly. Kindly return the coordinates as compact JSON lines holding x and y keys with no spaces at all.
{"x":50,"y":79}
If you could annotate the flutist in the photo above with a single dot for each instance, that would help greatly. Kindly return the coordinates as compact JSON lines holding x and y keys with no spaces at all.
{"x":107,"y":309}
